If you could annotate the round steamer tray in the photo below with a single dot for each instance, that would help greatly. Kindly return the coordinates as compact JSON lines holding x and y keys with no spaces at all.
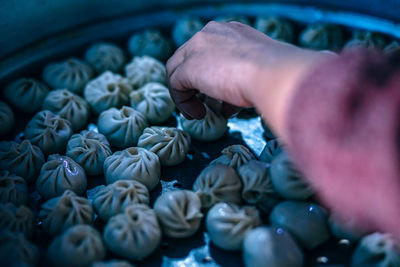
{"x":244,"y":129}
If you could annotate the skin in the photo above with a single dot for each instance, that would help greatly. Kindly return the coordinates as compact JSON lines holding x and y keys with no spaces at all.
{"x":240,"y":66}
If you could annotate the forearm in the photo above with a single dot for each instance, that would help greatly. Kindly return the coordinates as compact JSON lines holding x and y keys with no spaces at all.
{"x":271,"y":95}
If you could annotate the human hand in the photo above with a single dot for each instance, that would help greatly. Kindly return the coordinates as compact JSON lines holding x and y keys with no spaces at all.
{"x":235,"y":64}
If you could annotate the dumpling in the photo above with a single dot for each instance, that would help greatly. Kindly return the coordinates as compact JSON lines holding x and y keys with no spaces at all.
{"x":272,"y":247}
{"x":145,"y":69}
{"x":276,"y":28}
{"x":68,"y":106}
{"x":13,"y":189}
{"x":179,"y":213}
{"x":227,"y":224}
{"x":58,"y":174}
{"x":72,"y":74}
{"x":105,"y":56}
{"x":377,"y":249}
{"x":6,"y":118}
{"x":234,"y":156}
{"x":322,"y":37}
{"x":257,"y":185}
{"x":185,"y":28}
{"x":237,"y":18}
{"x":345,"y":229}
{"x":60,"y":213}
{"x":49,"y":132}
{"x":151,"y":43}
{"x":134,"y":234}
{"x":112,"y":263}
{"x":393,"y":47}
{"x":107,"y":91}
{"x":270,"y":151}
{"x":218,"y":183}
{"x":89,"y":149}
{"x":307,"y":222}
{"x":133,"y":163}
{"x":170,"y":144}
{"x":367,"y":39}
{"x":15,"y":250}
{"x":17,"y":219}
{"x":26,"y":94}
{"x":153,"y":101}
{"x":22,"y":159}
{"x":122,"y":127}
{"x":210,"y":128}
{"x":116,"y":197}
{"x":79,"y":246}
{"x":287,"y":180}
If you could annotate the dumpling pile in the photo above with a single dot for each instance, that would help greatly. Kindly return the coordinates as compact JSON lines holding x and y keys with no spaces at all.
{"x":145,"y":69}
{"x":68,"y":106}
{"x":72,"y":74}
{"x":26,"y":94}
{"x":6,"y":118}
{"x":107,"y":91}
{"x":105,"y":56}
{"x":153,"y":101}
{"x":151,"y":43}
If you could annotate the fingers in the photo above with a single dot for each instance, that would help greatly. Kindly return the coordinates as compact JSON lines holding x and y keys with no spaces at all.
{"x":229,"y":110}
{"x":188,"y":104}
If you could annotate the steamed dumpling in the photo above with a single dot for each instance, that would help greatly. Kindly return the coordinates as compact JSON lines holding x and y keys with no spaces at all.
{"x":272,"y":247}
{"x":13,"y":189}
{"x":345,"y":229}
{"x":367,"y":39}
{"x":22,"y":159}
{"x":179,"y":213}
{"x":185,"y":28}
{"x":58,"y":174}
{"x":79,"y":246}
{"x":72,"y":74}
{"x":133,"y":163}
{"x":26,"y":94}
{"x":122,"y":127}
{"x":49,"y":132}
{"x":153,"y":101}
{"x":17,"y":219}
{"x":276,"y":28}
{"x":218,"y":183}
{"x":151,"y":43}
{"x":234,"y":156}
{"x":287,"y":180}
{"x":134,"y":234}
{"x":210,"y":128}
{"x":60,"y":213}
{"x":145,"y":69}
{"x":322,"y":37}
{"x":228,"y":224}
{"x":15,"y":250}
{"x":116,"y":197}
{"x":106,"y":91}
{"x":257,"y":185}
{"x":237,"y":18}
{"x":68,"y":106}
{"x":89,"y":149}
{"x":307,"y":222}
{"x":170,"y":144}
{"x":377,"y":250}
{"x":105,"y":56}
{"x":270,"y":151}
{"x":6,"y":118}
